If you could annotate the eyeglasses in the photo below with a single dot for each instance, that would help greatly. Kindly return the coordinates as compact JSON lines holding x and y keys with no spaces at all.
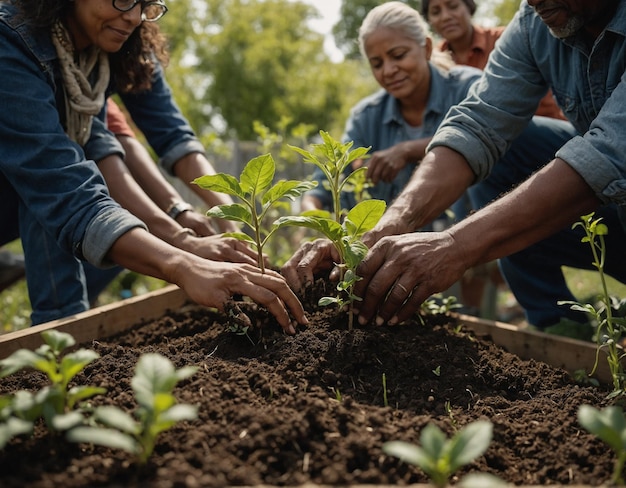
{"x":151,"y":11}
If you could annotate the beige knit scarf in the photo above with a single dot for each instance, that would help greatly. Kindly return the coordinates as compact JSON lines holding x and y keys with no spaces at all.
{"x":82,"y":101}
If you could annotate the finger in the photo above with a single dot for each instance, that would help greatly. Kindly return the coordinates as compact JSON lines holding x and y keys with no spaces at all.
{"x":374,"y":169}
{"x":378,"y":287}
{"x":283,"y":299}
{"x":395,"y":298}
{"x":411,"y":305}
{"x":290,"y":270}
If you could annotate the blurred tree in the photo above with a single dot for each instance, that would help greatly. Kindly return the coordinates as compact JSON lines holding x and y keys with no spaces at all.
{"x":234,"y":62}
{"x":504,"y":10}
{"x":352,"y":13}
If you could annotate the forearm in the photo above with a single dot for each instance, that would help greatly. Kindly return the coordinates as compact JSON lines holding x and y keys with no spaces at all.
{"x":125,"y":190}
{"x":147,"y":174}
{"x":192,"y":166}
{"x":442,"y":176}
{"x":548,"y":201}
{"x":144,"y":253}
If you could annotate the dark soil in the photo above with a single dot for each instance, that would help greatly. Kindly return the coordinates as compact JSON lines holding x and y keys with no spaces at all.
{"x":309,"y":408}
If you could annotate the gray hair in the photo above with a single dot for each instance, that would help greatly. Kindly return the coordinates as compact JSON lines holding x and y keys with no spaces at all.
{"x":400,"y":17}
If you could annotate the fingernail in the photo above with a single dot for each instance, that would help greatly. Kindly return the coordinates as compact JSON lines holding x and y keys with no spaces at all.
{"x":362,"y":321}
{"x":380,"y":321}
{"x":394,"y":320}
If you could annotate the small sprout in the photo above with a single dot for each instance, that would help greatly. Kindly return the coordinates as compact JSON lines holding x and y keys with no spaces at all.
{"x":609,"y":328}
{"x":609,"y":425}
{"x":154,"y":380}
{"x":437,"y":371}
{"x":385,"y":399}
{"x":439,"y":457}
{"x":59,"y":405}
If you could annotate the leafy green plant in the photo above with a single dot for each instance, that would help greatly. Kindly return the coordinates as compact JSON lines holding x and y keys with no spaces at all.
{"x":609,"y":329}
{"x":334,"y":158}
{"x":154,"y":380}
{"x":257,"y":195}
{"x":609,"y":425}
{"x":60,"y":406}
{"x":346,"y":237}
{"x":440,"y":457}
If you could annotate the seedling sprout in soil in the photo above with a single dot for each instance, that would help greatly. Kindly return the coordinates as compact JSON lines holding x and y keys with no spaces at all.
{"x":154,"y":380}
{"x":60,"y":406}
{"x":440,"y":457}
{"x":609,"y":426}
{"x":609,"y":329}
{"x":334,"y":159}
{"x":65,"y":409}
{"x":257,"y":195}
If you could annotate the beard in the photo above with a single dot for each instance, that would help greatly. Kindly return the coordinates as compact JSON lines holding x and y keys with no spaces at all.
{"x":573,"y":25}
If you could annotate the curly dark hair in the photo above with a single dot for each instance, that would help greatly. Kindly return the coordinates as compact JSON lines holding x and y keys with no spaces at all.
{"x":132,"y":66}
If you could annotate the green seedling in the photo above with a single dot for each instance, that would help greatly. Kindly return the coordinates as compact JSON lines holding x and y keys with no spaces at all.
{"x":153,"y":382}
{"x":257,"y":195}
{"x":346,"y":237}
{"x":609,"y":329}
{"x":609,"y":425}
{"x":334,"y":159}
{"x":440,"y":457}
{"x":60,"y":406}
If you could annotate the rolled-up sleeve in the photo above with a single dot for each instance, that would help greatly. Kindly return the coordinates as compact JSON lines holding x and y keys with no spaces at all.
{"x":599,"y":155}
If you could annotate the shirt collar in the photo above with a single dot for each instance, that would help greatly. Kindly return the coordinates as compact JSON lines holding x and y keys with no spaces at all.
{"x":479,"y":40}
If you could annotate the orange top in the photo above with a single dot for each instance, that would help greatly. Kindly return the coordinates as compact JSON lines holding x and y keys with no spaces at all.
{"x":116,"y":120}
{"x":483,"y":41}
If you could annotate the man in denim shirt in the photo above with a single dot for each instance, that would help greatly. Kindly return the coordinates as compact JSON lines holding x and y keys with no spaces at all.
{"x":578,"y":49}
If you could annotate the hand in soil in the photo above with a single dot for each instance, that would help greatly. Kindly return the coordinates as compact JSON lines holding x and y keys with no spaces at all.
{"x":220,"y":281}
{"x":400,"y":272}
{"x":310,"y":259}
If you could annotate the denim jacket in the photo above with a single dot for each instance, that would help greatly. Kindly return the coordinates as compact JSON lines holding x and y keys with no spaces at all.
{"x":376,"y":122}
{"x":42,"y":172}
{"x":588,"y":81}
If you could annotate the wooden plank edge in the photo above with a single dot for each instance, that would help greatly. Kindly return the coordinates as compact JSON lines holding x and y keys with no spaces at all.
{"x":558,"y":351}
{"x":101,"y":321}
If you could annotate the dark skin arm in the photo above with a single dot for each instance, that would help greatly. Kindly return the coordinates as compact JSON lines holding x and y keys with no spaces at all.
{"x":410,"y":268}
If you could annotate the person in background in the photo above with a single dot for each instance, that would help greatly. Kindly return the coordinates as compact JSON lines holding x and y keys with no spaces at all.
{"x":60,"y":62}
{"x":418,"y":86}
{"x":470,"y":44}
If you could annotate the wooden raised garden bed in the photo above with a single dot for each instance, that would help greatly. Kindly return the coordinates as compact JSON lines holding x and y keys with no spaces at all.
{"x":308,"y":409}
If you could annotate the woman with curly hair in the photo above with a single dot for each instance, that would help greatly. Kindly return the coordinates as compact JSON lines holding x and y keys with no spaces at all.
{"x":60,"y":60}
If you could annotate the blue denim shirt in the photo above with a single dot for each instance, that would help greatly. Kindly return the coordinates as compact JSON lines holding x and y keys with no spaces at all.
{"x":377,"y":121}
{"x":51,"y":179}
{"x":588,"y":81}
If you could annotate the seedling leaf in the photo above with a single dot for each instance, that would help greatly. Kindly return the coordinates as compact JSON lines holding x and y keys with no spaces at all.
{"x":104,"y":437}
{"x":222,"y":183}
{"x":258,"y":174}
{"x":234,"y":211}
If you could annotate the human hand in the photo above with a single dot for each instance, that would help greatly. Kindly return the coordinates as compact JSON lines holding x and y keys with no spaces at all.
{"x":199,"y":223}
{"x":386,"y":164}
{"x":220,"y":248}
{"x":311,"y":258}
{"x":212,"y":284}
{"x":400,"y":272}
